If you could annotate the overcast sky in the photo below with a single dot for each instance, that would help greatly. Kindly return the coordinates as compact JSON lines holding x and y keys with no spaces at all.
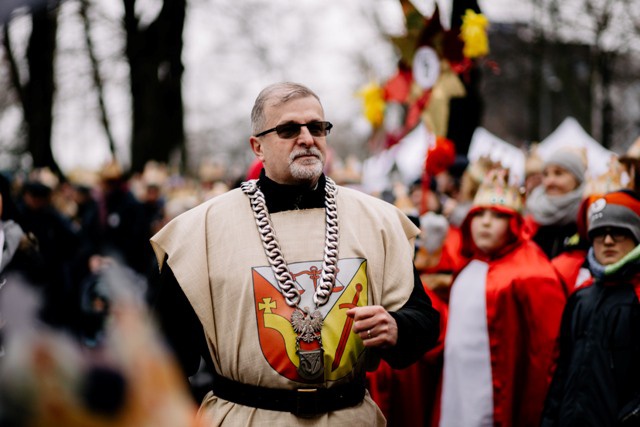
{"x":232,"y":49}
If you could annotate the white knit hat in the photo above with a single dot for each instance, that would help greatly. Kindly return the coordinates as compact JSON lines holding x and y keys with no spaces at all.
{"x":569,"y":160}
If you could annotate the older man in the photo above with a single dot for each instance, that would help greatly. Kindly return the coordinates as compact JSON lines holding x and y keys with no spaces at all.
{"x":291,"y":287}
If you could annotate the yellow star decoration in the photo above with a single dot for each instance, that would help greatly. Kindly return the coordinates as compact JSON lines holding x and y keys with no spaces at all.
{"x":474,"y":34}
{"x":373,"y":101}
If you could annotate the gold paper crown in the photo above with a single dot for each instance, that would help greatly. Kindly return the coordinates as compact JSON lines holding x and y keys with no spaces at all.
{"x":633,"y":152}
{"x":473,"y":176}
{"x":495,"y":190}
{"x":607,"y":182}
{"x":631,"y":162}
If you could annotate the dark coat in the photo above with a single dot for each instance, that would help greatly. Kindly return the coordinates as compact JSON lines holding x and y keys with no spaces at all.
{"x":597,"y":381}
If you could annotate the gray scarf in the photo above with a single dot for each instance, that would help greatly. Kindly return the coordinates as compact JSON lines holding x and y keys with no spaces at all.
{"x":554,"y":210}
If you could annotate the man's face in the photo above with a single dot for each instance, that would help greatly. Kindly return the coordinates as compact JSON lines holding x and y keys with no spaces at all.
{"x":297,"y":160}
{"x":610,"y":244}
{"x":490,"y":230}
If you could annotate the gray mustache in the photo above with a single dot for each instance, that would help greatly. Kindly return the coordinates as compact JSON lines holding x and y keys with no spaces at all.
{"x":311,"y":152}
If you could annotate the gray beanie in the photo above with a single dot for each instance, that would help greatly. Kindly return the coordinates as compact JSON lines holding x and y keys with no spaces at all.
{"x":569,"y":160}
{"x":619,"y":209}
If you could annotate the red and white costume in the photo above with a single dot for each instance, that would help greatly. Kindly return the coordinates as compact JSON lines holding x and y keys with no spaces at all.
{"x":504,"y":318}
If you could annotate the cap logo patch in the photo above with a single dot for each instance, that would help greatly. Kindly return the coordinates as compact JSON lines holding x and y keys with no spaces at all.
{"x":597,"y":206}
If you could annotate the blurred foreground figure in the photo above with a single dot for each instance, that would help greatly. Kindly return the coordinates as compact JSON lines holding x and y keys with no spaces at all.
{"x":50,"y":380}
{"x":19,"y":253}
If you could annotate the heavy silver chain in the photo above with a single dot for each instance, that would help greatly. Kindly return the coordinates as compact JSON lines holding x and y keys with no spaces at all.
{"x":274,"y":253}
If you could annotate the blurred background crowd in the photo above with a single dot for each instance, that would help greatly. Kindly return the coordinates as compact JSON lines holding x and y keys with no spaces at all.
{"x":62,"y":236}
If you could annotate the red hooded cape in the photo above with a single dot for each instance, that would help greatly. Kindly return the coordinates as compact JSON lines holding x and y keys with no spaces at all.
{"x":524,"y":304}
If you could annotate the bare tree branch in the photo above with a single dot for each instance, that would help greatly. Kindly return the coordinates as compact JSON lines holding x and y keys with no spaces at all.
{"x":97,"y":79}
{"x":13,"y":65}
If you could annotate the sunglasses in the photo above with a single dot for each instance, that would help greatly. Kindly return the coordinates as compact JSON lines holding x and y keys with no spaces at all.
{"x":292,"y":130}
{"x":617,"y":235}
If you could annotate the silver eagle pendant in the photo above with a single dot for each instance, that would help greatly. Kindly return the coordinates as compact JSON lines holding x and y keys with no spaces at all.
{"x":308,"y":326}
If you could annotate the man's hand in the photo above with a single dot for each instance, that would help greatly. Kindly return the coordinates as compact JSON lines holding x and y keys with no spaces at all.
{"x":375,"y":326}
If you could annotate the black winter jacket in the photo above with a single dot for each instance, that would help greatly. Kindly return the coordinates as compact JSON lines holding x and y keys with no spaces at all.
{"x":597,"y":380}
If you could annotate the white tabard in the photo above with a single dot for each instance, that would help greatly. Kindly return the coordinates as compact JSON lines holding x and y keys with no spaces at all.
{"x":467,"y":389}
{"x":218,"y":259}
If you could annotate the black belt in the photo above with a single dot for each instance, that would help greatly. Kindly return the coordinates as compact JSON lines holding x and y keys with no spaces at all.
{"x":302,"y":402}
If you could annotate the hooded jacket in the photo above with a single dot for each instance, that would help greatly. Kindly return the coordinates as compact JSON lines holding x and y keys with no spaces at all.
{"x":523,"y":304}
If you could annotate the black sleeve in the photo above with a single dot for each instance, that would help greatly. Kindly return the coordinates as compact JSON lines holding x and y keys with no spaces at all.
{"x":418,"y":328}
{"x":555,"y":395}
{"x":178,"y":321}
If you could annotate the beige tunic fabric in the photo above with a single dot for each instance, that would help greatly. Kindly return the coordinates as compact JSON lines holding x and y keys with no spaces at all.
{"x":217,"y":257}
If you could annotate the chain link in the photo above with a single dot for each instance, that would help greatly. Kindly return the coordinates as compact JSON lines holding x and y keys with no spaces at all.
{"x":274,"y":252}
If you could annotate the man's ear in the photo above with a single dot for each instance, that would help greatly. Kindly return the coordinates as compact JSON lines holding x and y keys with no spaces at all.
{"x":256,"y":147}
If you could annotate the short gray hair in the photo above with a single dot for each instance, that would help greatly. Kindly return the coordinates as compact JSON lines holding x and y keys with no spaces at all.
{"x":277,"y":94}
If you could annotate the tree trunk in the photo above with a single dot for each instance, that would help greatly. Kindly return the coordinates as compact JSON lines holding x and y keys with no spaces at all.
{"x":37,"y":93}
{"x":154,"y":55}
{"x":605,"y":67}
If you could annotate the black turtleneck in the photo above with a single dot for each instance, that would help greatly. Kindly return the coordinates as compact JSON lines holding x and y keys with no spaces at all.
{"x":283,"y":197}
{"x":418,"y":321}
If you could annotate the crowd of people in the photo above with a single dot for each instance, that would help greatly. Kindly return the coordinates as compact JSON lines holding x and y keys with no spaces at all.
{"x":541,"y":285}
{"x":468,"y":301}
